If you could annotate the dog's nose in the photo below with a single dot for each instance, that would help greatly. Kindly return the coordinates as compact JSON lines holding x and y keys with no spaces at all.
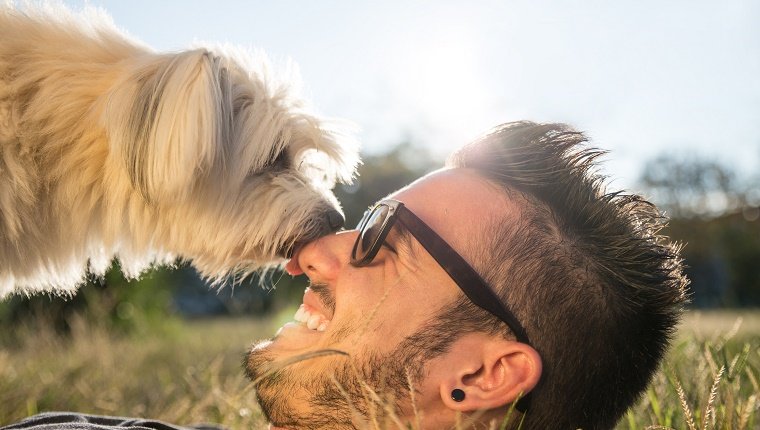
{"x":335,"y":219}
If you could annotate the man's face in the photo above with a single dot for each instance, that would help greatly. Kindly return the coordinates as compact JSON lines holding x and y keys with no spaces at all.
{"x":368,"y":312}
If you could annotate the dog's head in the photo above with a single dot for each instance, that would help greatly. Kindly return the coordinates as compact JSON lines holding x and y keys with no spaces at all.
{"x":231,"y":165}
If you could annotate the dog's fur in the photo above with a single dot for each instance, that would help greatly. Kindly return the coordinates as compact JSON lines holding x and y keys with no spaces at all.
{"x":108,"y":148}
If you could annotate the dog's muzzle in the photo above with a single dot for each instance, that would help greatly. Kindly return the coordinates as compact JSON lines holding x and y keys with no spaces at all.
{"x":335,"y":220}
{"x":332,"y":221}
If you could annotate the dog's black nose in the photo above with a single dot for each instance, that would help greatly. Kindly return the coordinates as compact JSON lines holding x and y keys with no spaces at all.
{"x":335,"y":219}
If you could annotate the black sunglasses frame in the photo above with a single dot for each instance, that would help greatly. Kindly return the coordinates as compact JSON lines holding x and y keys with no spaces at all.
{"x":467,"y":279}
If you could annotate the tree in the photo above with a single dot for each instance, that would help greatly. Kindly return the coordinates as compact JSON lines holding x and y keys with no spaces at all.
{"x":714,"y":214}
{"x":687,"y":186}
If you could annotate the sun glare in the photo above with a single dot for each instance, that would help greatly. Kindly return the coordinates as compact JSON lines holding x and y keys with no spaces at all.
{"x":441,"y":83}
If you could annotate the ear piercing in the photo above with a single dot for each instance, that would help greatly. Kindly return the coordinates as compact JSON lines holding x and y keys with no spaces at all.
{"x":457,"y":395}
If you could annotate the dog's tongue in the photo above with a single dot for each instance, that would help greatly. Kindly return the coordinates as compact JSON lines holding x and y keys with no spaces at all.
{"x":292,"y":267}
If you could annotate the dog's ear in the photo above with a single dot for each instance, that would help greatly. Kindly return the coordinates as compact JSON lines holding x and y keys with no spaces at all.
{"x":167,"y":119}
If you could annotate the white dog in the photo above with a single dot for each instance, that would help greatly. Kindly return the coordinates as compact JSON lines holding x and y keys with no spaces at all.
{"x":108,"y":148}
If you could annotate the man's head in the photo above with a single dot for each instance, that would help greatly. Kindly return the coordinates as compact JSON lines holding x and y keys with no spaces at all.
{"x":596,"y":290}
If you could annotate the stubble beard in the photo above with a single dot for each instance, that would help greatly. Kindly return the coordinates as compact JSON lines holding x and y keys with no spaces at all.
{"x":301,"y":399}
{"x":295,"y":398}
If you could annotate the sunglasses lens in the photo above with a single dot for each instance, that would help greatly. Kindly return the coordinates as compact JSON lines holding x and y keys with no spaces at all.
{"x":371,"y":231}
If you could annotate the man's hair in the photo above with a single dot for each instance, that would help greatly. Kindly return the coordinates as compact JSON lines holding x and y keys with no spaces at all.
{"x":585,"y":271}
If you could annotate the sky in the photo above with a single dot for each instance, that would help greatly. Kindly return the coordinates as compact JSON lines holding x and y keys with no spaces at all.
{"x":641,"y":78}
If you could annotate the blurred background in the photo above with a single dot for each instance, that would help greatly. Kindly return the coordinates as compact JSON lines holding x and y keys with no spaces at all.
{"x":671,"y":89}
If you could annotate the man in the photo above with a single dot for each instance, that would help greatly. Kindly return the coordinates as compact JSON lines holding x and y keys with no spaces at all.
{"x":507,"y":288}
{"x":399,"y":328}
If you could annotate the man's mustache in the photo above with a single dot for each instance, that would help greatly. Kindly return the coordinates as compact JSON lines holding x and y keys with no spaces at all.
{"x":325,"y":295}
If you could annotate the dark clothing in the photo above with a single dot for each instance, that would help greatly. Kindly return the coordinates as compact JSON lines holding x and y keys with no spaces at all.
{"x":73,"y":421}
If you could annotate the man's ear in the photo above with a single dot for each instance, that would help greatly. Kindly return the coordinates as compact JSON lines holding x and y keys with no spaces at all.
{"x":167,"y":118}
{"x":491,"y":372}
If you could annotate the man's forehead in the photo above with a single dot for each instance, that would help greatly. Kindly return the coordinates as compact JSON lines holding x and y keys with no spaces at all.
{"x":455,"y":203}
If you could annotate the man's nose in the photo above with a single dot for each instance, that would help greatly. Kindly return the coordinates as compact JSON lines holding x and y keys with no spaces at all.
{"x":324,"y":258}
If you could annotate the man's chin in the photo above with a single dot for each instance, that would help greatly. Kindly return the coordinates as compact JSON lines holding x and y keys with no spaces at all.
{"x":256,"y":359}
{"x":268,"y":362}
{"x":258,"y":368}
{"x":292,"y":397}
{"x":296,"y":389}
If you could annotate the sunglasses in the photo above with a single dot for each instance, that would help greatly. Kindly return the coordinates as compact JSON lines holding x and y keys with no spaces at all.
{"x":378,"y":222}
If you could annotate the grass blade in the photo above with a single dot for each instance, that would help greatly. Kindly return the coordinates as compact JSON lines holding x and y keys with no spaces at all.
{"x":710,"y":407}
{"x":685,"y":406}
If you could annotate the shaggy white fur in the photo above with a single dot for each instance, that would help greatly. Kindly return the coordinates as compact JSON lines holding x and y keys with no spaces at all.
{"x":108,"y":148}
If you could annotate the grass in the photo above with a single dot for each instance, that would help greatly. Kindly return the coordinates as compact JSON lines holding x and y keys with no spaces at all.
{"x":709,"y":380}
{"x":189,"y":372}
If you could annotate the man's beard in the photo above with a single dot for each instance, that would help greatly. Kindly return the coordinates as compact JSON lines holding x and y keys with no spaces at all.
{"x":336,"y":399}
{"x":338,"y":396}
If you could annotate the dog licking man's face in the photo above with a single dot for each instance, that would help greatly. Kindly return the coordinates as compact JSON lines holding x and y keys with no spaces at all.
{"x":110,"y":149}
{"x":250,"y":168}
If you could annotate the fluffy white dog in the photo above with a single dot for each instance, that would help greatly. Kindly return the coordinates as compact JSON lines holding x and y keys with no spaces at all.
{"x":108,"y":148}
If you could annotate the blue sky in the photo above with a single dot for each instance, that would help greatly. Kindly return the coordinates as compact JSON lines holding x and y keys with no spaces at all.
{"x":640,"y":77}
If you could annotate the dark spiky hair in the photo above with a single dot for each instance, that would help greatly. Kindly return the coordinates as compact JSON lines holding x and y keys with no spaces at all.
{"x":597,"y":288}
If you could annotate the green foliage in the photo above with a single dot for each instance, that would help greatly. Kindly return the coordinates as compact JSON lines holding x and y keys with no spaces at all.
{"x":112,"y":302}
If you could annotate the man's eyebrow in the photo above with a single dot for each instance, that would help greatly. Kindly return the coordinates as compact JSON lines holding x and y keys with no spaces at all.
{"x":404,"y":242}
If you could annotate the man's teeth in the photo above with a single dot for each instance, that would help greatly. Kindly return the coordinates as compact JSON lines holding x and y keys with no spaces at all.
{"x":313,"y":321}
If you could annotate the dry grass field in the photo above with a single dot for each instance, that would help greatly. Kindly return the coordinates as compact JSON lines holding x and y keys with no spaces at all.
{"x":189,"y":372}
